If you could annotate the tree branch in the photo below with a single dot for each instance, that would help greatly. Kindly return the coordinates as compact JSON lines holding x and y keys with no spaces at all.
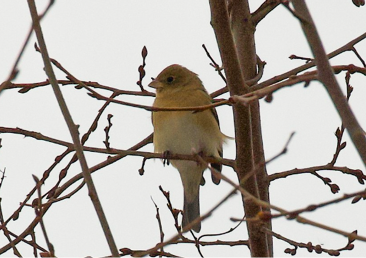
{"x":263,"y":10}
{"x":327,"y":77}
{"x":72,"y":128}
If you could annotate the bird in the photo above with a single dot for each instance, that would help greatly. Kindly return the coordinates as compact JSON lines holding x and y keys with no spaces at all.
{"x":186,"y":132}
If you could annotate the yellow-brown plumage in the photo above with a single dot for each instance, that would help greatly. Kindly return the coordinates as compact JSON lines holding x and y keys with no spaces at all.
{"x":186,"y":132}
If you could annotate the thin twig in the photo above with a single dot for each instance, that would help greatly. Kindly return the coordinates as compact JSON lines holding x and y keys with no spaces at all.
{"x":63,"y":188}
{"x":14,"y":71}
{"x":214,"y":64}
{"x":7,"y":233}
{"x":328,"y":167}
{"x":309,"y":246}
{"x":39,"y":212}
{"x":347,"y":47}
{"x":187,"y":227}
{"x":160,"y":225}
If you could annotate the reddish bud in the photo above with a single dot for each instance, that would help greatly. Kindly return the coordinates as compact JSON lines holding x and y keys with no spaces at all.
{"x":24,"y":90}
{"x":144,"y":52}
{"x":334,"y":188}
{"x":58,"y":158}
{"x":327,"y":179}
{"x":63,"y":174}
{"x":338,"y":133}
{"x":356,"y":199}
{"x":288,"y":250}
{"x":176,"y":212}
{"x":360,"y":176}
{"x":343,"y":145}
{"x":310,"y":247}
{"x":334,"y":253}
{"x":126,"y":251}
{"x":351,"y":237}
{"x":318,"y":249}
{"x":35,"y":203}
{"x":269,"y":98}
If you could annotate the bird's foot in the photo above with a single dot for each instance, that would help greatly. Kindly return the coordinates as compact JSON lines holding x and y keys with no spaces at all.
{"x":166,"y":155}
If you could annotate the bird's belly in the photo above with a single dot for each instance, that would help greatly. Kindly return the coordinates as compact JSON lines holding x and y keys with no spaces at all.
{"x":179,"y":134}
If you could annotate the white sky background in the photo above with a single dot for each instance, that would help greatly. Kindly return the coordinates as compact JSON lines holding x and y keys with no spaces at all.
{"x":102,"y":42}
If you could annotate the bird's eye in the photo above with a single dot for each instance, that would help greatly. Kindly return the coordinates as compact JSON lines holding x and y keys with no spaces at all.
{"x":170,"y":79}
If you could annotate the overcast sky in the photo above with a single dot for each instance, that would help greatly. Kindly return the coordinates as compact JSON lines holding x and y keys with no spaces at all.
{"x":102,"y":42}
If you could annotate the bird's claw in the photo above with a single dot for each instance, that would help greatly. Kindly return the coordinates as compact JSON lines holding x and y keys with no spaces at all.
{"x":166,"y":155}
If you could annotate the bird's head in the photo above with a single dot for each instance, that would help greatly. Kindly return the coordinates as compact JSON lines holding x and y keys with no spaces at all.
{"x":175,"y":78}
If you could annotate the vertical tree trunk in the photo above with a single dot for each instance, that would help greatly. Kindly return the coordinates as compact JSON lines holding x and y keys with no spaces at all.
{"x":243,"y":33}
{"x":239,"y":60}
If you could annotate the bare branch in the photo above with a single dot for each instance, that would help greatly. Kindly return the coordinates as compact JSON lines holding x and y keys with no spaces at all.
{"x":39,"y":212}
{"x":263,"y":10}
{"x":14,"y":71}
{"x":309,"y":246}
{"x":347,"y":47}
{"x":72,"y":128}
{"x":326,"y":76}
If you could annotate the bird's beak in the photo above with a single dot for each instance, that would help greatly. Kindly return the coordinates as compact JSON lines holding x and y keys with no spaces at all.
{"x":155,"y":84}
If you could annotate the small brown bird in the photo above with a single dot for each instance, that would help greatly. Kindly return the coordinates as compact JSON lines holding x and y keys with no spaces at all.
{"x":186,"y":132}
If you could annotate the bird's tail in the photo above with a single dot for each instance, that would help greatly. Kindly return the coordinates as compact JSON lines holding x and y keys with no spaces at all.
{"x":191,"y":212}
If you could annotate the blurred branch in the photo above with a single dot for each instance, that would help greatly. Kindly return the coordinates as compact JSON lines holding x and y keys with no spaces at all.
{"x":327,"y":77}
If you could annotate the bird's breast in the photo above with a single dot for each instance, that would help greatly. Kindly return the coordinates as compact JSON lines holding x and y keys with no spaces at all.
{"x":186,"y":132}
